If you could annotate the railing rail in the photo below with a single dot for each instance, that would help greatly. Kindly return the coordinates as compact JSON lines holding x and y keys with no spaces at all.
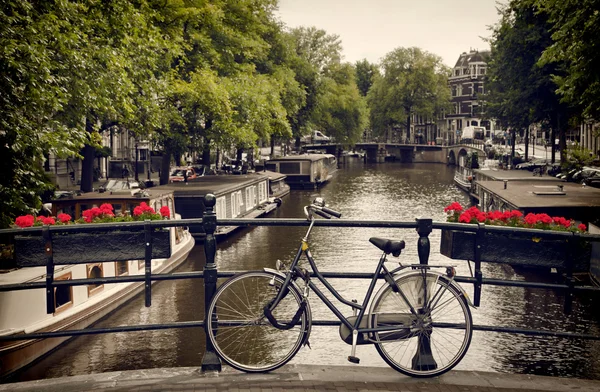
{"x":210,"y":274}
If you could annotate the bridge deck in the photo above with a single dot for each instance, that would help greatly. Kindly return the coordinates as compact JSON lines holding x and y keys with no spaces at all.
{"x":303,"y":378}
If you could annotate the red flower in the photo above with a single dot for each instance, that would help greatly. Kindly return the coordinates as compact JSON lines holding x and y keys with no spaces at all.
{"x":64,"y":218}
{"x":142,"y":209}
{"x":165,"y":212}
{"x":48,"y":221}
{"x":454,"y":206}
{"x":531,"y":219}
{"x":582,"y":227}
{"x":106,"y":209}
{"x":465,"y":217}
{"x":24,"y":221}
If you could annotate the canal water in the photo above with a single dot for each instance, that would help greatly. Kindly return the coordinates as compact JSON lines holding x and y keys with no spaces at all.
{"x":390,"y":191}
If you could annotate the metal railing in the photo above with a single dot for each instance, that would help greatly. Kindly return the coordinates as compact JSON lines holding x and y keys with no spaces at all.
{"x":210,"y":274}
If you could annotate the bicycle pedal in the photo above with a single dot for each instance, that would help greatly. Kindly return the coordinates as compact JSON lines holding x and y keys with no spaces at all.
{"x":353,"y":359}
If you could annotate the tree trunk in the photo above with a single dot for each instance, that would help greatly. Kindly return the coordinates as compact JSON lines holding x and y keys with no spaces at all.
{"x":408,"y":125}
{"x":165,"y":166}
{"x":562,"y":141}
{"x":553,"y":139}
{"x":238,"y":154}
{"x":87,"y":169}
{"x":272,"y":154}
{"x":206,"y":153}
{"x":526,"y":144}
{"x":513,"y":138}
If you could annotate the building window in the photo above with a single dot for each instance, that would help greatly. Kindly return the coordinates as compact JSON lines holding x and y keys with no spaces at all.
{"x":482,"y":71}
{"x":95,"y":271}
{"x":121,"y":268}
{"x":457,"y":72}
{"x":459,"y":90}
{"x":459,"y":124}
{"x":262,"y":192}
{"x":63,"y":295}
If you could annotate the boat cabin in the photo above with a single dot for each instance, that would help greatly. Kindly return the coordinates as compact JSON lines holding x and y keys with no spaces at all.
{"x":305,"y":171}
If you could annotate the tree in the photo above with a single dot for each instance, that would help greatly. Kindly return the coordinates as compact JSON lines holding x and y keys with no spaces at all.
{"x":365,"y":75}
{"x":521,"y":90}
{"x":575,"y":27}
{"x":342,"y":111}
{"x":413,"y":82}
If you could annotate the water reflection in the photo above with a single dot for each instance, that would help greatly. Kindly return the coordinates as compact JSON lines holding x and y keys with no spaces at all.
{"x":378,"y":192}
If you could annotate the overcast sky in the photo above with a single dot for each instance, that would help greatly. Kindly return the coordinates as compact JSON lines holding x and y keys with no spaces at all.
{"x":372,"y":28}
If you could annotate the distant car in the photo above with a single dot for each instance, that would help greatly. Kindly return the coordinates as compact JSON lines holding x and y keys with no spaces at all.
{"x":532,"y":165}
{"x":586,"y":173}
{"x":315,"y":137}
{"x":179,"y":174}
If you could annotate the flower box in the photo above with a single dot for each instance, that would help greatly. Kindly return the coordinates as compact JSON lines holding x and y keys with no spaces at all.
{"x":81,"y":248}
{"x":521,"y":249}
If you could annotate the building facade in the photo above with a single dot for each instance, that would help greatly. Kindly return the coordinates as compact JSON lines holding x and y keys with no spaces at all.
{"x":467,"y":86}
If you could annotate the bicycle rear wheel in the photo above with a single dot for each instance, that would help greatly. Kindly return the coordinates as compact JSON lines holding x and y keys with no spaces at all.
{"x":434,"y":340}
{"x":241,"y":334}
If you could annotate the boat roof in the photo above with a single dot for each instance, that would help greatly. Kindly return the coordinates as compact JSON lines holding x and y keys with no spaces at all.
{"x":303,"y":157}
{"x":111,"y":196}
{"x":217,"y":184}
{"x":273,"y":176}
{"x":511,"y":175}
{"x":529,"y":195}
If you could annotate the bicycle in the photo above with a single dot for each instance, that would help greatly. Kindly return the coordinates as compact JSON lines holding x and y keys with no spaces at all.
{"x":419,"y":320}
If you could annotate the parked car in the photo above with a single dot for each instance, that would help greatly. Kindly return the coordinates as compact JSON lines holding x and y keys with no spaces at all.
{"x":585,"y":173}
{"x":533,"y":164}
{"x":179,"y":174}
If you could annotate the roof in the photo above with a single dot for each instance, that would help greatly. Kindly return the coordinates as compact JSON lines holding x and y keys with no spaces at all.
{"x":217,"y":185}
{"x":521,"y":194}
{"x":105,"y":197}
{"x":303,"y":157}
{"x":472,"y":57}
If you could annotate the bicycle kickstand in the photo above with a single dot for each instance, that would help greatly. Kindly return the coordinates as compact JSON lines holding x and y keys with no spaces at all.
{"x":352,"y":357}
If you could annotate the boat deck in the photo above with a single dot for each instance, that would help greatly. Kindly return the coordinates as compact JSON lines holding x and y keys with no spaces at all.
{"x":216,"y":185}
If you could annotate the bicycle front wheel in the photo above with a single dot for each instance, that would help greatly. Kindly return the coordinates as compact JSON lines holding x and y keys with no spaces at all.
{"x":241,"y":334}
{"x":433,"y":340}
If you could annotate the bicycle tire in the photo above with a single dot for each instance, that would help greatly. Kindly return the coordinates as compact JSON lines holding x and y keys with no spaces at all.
{"x":438,"y":342}
{"x":239,"y":330}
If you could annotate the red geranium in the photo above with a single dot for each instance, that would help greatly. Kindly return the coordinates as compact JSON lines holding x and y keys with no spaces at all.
{"x":512,"y":218}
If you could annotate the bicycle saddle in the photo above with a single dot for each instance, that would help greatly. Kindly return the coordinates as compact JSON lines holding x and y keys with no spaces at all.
{"x":388,"y":246}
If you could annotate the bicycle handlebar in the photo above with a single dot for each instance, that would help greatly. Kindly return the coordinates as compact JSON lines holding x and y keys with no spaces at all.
{"x":331,"y":212}
{"x":322,"y":213}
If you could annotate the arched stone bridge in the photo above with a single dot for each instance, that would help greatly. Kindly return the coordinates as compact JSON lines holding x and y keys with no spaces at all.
{"x":380,"y":152}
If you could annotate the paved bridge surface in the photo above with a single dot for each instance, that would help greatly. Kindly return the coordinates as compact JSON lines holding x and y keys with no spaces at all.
{"x":303,"y":378}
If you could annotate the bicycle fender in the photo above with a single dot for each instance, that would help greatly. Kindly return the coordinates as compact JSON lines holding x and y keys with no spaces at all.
{"x":439,"y":274}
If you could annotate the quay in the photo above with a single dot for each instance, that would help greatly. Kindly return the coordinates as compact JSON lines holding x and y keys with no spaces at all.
{"x":303,"y":378}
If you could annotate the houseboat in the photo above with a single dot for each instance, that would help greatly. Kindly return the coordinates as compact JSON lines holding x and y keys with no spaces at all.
{"x":306,"y":171}
{"x":237,"y":196}
{"x":77,"y":307}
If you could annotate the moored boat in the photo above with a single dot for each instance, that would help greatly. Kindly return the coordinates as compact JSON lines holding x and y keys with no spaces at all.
{"x":306,"y":171}
{"x":77,"y":307}
{"x":237,"y":196}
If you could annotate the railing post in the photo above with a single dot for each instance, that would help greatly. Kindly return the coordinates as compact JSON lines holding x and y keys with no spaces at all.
{"x":47,"y":236}
{"x":424,"y":228}
{"x":211,"y":361}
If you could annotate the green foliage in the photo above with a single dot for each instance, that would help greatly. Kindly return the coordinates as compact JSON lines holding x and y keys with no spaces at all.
{"x":578,"y":157}
{"x":576,"y":35}
{"x":365,"y":75}
{"x":413,"y":81}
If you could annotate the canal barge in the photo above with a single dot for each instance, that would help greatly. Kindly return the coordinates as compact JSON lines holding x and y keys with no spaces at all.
{"x":306,"y":171}
{"x":237,"y":196}
{"x":77,"y":307}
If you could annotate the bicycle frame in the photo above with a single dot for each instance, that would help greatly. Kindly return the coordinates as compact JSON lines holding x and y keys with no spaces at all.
{"x":380,"y":272}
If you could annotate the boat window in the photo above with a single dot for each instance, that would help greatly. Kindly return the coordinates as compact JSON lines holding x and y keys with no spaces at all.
{"x":63,"y":295}
{"x":262,"y":191}
{"x":117,"y":208}
{"x":271,"y":167}
{"x":121,"y":268}
{"x":141,"y":265}
{"x":95,"y":271}
{"x":220,"y":207}
{"x":289,"y":167}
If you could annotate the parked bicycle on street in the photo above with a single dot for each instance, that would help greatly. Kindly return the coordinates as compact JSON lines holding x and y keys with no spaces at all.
{"x":419,"y":319}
